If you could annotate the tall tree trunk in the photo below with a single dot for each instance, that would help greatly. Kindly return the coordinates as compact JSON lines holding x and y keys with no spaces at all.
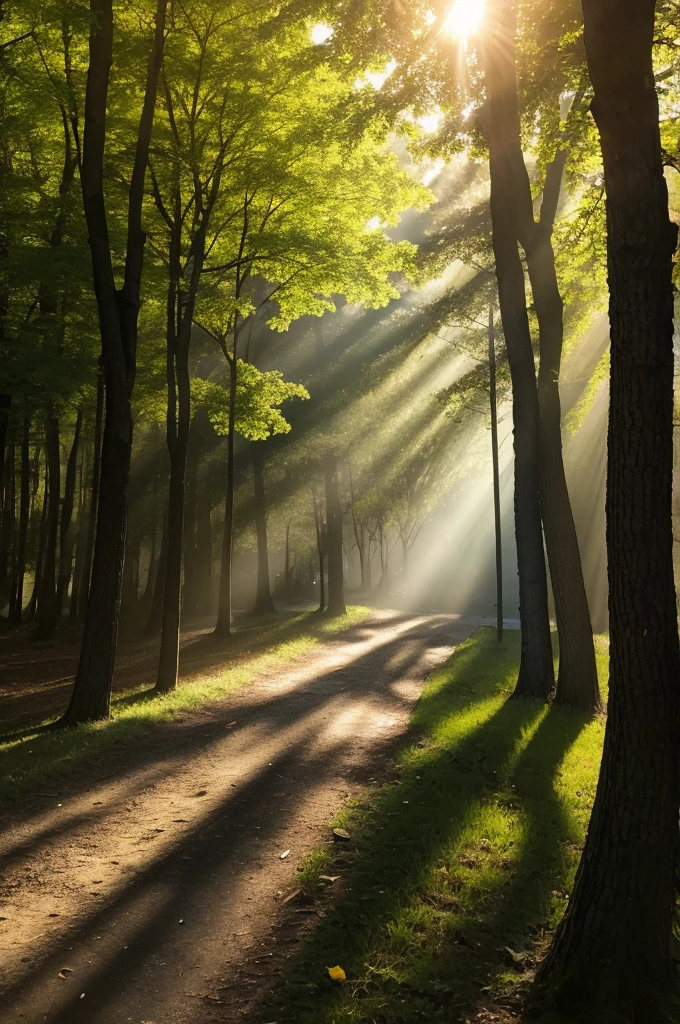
{"x":118,"y":314}
{"x":223,"y":626}
{"x":611,"y":953}
{"x":286,"y":563}
{"x":47,"y":597}
{"x":81,"y":543}
{"x":7,"y":528}
{"x":190,"y":566}
{"x":318,"y":522}
{"x":42,"y":540}
{"x":497,"y":518}
{"x":67,"y":530}
{"x":204,"y":552}
{"x":5,"y":400}
{"x":17,"y":604}
{"x":155,"y":619}
{"x":536,"y":674}
{"x":263,"y":600}
{"x":84,"y":593}
{"x":336,"y":582}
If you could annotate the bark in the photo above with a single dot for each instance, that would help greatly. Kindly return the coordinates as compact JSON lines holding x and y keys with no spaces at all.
{"x":318,"y":522}
{"x":118,"y":314}
{"x":42,"y":537}
{"x":84,"y":590}
{"x":263,"y":601}
{"x":223,"y":626}
{"x":536,"y":674}
{"x":190,"y":577}
{"x":498,"y":521}
{"x":81,"y":544}
{"x":204,"y":552}
{"x":47,"y":595}
{"x":611,"y":953}
{"x":336,"y":583}
{"x":67,"y":530}
{"x":17,"y":602}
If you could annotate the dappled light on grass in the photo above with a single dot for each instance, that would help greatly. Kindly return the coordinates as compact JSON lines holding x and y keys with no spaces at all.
{"x":471,"y":849}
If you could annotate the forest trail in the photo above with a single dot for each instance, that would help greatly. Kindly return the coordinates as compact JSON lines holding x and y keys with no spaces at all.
{"x":151,"y":878}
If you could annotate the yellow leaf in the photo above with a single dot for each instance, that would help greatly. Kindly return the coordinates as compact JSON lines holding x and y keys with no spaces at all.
{"x":337,"y":974}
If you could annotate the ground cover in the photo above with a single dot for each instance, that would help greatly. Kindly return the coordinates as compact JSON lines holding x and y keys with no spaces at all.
{"x":458,"y":869}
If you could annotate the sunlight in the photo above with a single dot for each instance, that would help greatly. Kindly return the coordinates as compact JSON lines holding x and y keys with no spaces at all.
{"x":321,"y":33}
{"x":464,"y":19}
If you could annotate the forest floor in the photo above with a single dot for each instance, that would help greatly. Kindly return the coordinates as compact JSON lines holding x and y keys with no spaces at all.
{"x":148,"y":880}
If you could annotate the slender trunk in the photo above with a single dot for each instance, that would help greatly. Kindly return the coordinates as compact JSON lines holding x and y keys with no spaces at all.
{"x":204,"y":551}
{"x":5,"y":400}
{"x":498,"y":522}
{"x":536,"y":674}
{"x":17,"y":605}
{"x":611,"y":953}
{"x":8,"y":521}
{"x":223,"y":626}
{"x":67,"y":531}
{"x":263,"y":601}
{"x":42,"y":540}
{"x":286,"y":563}
{"x":81,"y":544}
{"x":47,"y":597}
{"x":155,"y":619}
{"x":336,"y":583}
{"x":318,"y":522}
{"x":190,"y":566}
{"x":118,"y":314}
{"x":84,"y":593}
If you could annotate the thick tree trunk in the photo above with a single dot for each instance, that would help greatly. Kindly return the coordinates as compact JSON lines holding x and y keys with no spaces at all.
{"x":536,"y":674}
{"x":84,"y":589}
{"x":17,"y":603}
{"x":497,"y":517}
{"x":263,"y":600}
{"x":611,"y":953}
{"x":223,"y":626}
{"x":118,"y":313}
{"x":47,"y":596}
{"x":67,"y":534}
{"x":336,"y":582}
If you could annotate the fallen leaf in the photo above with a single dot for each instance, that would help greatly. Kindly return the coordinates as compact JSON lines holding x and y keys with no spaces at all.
{"x":64,"y":972}
{"x":337,"y":974}
{"x":339,"y":834}
{"x":286,"y":853}
{"x":230,"y":725}
{"x":328,"y":878}
{"x":291,"y":896}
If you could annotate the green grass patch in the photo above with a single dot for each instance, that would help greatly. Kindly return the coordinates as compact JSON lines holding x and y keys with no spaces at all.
{"x":35,"y":758}
{"x":459,"y":868}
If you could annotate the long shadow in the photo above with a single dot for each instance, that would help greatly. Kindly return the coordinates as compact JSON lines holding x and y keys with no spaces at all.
{"x":173,"y":743}
{"x":258,"y":800}
{"x":397,"y":849}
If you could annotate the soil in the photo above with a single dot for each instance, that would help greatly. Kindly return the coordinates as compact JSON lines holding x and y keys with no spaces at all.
{"x":151,"y":887}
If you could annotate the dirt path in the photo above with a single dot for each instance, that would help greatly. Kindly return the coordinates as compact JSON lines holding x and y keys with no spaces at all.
{"x":151,"y":875}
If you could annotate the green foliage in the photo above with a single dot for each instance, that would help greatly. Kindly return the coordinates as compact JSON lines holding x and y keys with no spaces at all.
{"x":258,"y":395}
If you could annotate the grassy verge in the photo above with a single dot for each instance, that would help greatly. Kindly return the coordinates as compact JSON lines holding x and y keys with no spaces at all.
{"x":458,"y":869}
{"x":35,"y":758}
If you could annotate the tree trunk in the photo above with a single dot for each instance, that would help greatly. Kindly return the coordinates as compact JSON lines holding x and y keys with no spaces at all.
{"x":204,"y":552}
{"x":320,"y":552}
{"x":155,"y":619}
{"x":67,"y":531}
{"x":336,"y":583}
{"x":17,"y":604}
{"x":189,"y":562}
{"x":536,"y":674}
{"x":223,"y":626}
{"x":7,"y":529}
{"x":84,"y":591}
{"x":611,"y":953}
{"x":42,"y":539}
{"x":47,"y":596}
{"x":498,"y":521}
{"x":263,"y":601}
{"x":118,"y":314}
{"x":81,"y":544}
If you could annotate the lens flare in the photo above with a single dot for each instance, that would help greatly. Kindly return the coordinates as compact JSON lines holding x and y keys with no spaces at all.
{"x":464,"y":19}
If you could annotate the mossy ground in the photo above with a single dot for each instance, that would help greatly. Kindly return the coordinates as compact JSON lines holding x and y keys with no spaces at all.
{"x":459,"y":868}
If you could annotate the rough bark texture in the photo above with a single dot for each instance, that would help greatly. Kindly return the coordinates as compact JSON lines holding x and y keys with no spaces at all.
{"x":536,"y":675}
{"x":336,"y":582}
{"x":84,"y":589}
{"x":263,"y":600}
{"x":118,"y":312}
{"x":611,"y":951}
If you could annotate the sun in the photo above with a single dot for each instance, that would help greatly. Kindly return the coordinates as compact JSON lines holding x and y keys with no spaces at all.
{"x":464,"y":18}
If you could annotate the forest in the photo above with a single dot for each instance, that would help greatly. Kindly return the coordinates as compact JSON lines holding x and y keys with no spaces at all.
{"x":339,"y":511}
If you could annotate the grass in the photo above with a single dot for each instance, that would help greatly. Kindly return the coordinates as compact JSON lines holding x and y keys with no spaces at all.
{"x":35,"y":758}
{"x":459,"y":867}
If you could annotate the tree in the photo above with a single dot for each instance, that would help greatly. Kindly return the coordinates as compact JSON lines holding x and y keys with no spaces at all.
{"x":611,"y":953}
